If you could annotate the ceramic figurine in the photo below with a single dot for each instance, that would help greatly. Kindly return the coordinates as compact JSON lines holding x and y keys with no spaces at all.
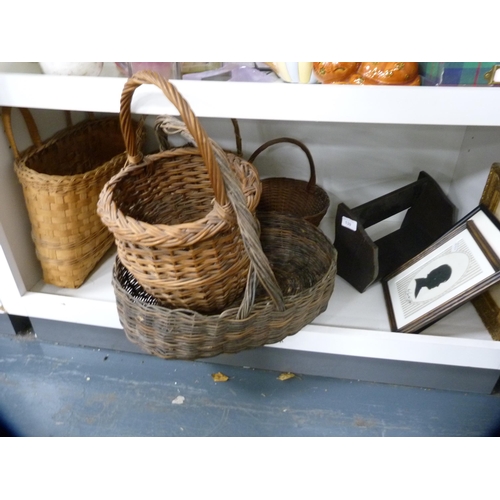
{"x":367,"y":73}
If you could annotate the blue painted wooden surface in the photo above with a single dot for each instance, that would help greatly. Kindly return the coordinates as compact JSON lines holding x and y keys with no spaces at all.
{"x":56,"y":390}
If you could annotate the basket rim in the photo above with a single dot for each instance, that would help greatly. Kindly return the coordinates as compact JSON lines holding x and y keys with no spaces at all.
{"x":231,"y":312}
{"x":29,"y":153}
{"x":317,"y":190}
{"x":218,"y":219}
{"x":23,"y":170}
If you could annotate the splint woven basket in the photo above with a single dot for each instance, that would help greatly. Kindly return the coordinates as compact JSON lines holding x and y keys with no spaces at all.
{"x":292,"y":276}
{"x":304,"y":199}
{"x":174,"y":228}
{"x":62,"y":178}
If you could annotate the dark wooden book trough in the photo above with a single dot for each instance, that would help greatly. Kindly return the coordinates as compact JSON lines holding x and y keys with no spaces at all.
{"x":361,"y":261}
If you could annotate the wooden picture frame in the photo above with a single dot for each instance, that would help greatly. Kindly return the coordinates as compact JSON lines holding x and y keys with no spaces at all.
{"x":493,"y":76}
{"x":456,"y":268}
{"x":487,"y":304}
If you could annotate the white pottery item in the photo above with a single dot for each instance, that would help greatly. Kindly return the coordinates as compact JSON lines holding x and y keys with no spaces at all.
{"x":72,"y":68}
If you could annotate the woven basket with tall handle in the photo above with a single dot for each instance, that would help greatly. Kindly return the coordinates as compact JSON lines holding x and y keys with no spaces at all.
{"x":292,"y":276}
{"x":62,"y":178}
{"x":293,"y":196}
{"x":174,"y":228}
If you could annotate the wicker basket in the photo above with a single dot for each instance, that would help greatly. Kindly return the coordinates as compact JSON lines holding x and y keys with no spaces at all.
{"x":292,"y":196}
{"x":291,"y":279}
{"x":174,"y":228}
{"x":304,"y":263}
{"x":61,"y":180}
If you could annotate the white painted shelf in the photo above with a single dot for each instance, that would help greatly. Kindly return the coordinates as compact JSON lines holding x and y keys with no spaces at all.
{"x":366,"y":141}
{"x":263,"y":101}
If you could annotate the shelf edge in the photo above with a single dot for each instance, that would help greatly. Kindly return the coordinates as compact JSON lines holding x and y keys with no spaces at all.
{"x":263,"y":101}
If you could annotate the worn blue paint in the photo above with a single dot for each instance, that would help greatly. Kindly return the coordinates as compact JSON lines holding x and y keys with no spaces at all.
{"x":56,"y":390}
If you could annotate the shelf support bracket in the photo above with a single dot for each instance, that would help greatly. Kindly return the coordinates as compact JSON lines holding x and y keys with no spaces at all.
{"x":21,"y":325}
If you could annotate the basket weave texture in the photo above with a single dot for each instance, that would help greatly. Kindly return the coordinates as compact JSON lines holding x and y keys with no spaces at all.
{"x":304,"y":264}
{"x":174,"y":228}
{"x":293,"y":196}
{"x":62,"y":178}
{"x":291,"y":278}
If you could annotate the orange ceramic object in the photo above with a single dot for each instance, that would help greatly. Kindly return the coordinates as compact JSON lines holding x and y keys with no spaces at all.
{"x":368,"y":73}
{"x":390,"y":73}
{"x":334,"y":72}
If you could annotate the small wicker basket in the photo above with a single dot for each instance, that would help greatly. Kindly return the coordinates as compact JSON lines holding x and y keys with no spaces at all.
{"x":174,"y":228}
{"x":61,"y":180}
{"x":293,"y":196}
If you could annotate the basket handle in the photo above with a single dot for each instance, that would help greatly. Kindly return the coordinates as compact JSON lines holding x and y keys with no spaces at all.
{"x":69,"y":120}
{"x":237,"y":135}
{"x":166,"y":125}
{"x":193,"y":125}
{"x":30,"y":124}
{"x":260,"y":268}
{"x":312,"y":179}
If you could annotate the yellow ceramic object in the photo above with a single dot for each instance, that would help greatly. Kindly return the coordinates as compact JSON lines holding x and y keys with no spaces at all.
{"x":294,"y":72}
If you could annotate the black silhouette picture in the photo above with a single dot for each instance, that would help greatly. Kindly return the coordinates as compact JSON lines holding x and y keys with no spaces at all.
{"x":438,"y":276}
{"x":433,"y":279}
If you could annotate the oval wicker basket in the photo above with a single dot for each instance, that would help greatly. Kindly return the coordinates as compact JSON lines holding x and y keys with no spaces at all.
{"x":62,"y":178}
{"x":293,"y":196}
{"x":304,"y":265}
{"x":174,"y":228}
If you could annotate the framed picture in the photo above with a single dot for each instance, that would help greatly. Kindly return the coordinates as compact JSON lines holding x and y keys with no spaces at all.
{"x":487,"y":304}
{"x":491,"y":193}
{"x":456,"y":268}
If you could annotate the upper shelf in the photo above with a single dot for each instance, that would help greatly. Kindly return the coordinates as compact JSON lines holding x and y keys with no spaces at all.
{"x":264,"y":101}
